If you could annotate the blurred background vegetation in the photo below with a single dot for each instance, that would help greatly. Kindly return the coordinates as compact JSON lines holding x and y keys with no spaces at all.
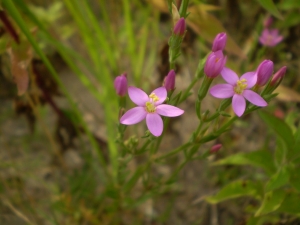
{"x":60,"y":159}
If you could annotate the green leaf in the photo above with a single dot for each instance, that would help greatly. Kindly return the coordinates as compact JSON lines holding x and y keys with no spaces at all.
{"x":296,"y":148}
{"x":295,"y":178}
{"x":291,"y":204}
{"x":270,"y":7}
{"x":290,"y":4}
{"x":236,"y":189}
{"x":280,"y":128}
{"x":260,"y":158}
{"x":271,"y":202}
{"x":278,"y":179}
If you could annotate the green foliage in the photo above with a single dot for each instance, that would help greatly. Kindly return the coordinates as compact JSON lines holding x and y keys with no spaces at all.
{"x":270,"y":7}
{"x":237,"y":189}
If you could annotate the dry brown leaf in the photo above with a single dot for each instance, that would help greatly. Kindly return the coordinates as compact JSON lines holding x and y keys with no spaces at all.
{"x":161,"y":5}
{"x":19,"y":69}
{"x":208,"y":27}
{"x":287,"y":94}
{"x":204,"y":24}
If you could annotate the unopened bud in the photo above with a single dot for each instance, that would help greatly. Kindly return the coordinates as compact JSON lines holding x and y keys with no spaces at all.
{"x":278,"y":76}
{"x":169,"y":82}
{"x":179,"y":27}
{"x":215,"y":148}
{"x":268,"y":22}
{"x":264,"y":72}
{"x":219,"y":42}
{"x":121,"y":85}
{"x":214,"y":64}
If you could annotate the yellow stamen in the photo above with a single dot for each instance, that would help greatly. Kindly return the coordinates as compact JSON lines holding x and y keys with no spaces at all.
{"x":154,"y":97}
{"x":241,"y":85}
{"x":150,"y":107}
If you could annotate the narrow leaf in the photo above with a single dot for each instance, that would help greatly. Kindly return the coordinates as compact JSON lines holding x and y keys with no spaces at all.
{"x":270,"y":7}
{"x":234,"y":190}
{"x":280,"y":128}
{"x":278,"y":179}
{"x":291,"y":204}
{"x":261,"y":159}
{"x":271,"y":202}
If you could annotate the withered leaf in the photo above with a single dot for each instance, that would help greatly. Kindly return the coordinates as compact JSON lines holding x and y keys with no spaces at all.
{"x":19,"y":69}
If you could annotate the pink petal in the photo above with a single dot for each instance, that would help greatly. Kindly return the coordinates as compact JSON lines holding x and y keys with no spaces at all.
{"x":168,"y":110}
{"x":229,"y":76}
{"x":133,"y":116}
{"x":277,"y":40}
{"x":273,"y":32}
{"x":154,"y":124}
{"x":138,"y":96}
{"x":222,"y":91}
{"x":161,"y":93}
{"x":254,"y":98}
{"x":251,"y":78}
{"x":238,"y":104}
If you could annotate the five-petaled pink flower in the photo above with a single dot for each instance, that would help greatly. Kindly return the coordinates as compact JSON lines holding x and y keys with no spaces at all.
{"x":238,"y":89}
{"x":270,"y":37}
{"x":149,"y":108}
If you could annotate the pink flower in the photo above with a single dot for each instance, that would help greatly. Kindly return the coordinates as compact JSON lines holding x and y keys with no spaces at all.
{"x":179,"y":27}
{"x":270,"y":37}
{"x":121,"y":85}
{"x":238,"y":89}
{"x":149,"y":108}
{"x":214,"y":64}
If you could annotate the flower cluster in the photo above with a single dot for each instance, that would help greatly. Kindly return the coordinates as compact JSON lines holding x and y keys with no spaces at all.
{"x":149,"y":107}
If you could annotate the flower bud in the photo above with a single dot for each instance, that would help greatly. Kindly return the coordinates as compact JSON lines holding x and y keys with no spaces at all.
{"x":215,"y":148}
{"x":169,"y":82}
{"x":278,"y":76}
{"x":214,"y":64}
{"x":219,"y":42}
{"x":268,"y":22}
{"x":121,"y":85}
{"x":264,"y":72}
{"x":179,"y":27}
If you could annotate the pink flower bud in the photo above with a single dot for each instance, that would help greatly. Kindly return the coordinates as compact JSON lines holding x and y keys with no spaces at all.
{"x":169,"y":82}
{"x":219,"y":42}
{"x":268,"y":22}
{"x":278,"y":76}
{"x":179,"y":27}
{"x":121,"y":85}
{"x":215,"y":148}
{"x":264,"y":72}
{"x":214,"y":64}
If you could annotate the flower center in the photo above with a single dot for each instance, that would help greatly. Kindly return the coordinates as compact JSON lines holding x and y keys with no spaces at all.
{"x":240,"y":86}
{"x":269,"y":39}
{"x":150,"y":106}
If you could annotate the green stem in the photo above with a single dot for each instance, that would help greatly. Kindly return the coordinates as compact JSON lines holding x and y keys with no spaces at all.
{"x":175,"y":151}
{"x":183,"y":8}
